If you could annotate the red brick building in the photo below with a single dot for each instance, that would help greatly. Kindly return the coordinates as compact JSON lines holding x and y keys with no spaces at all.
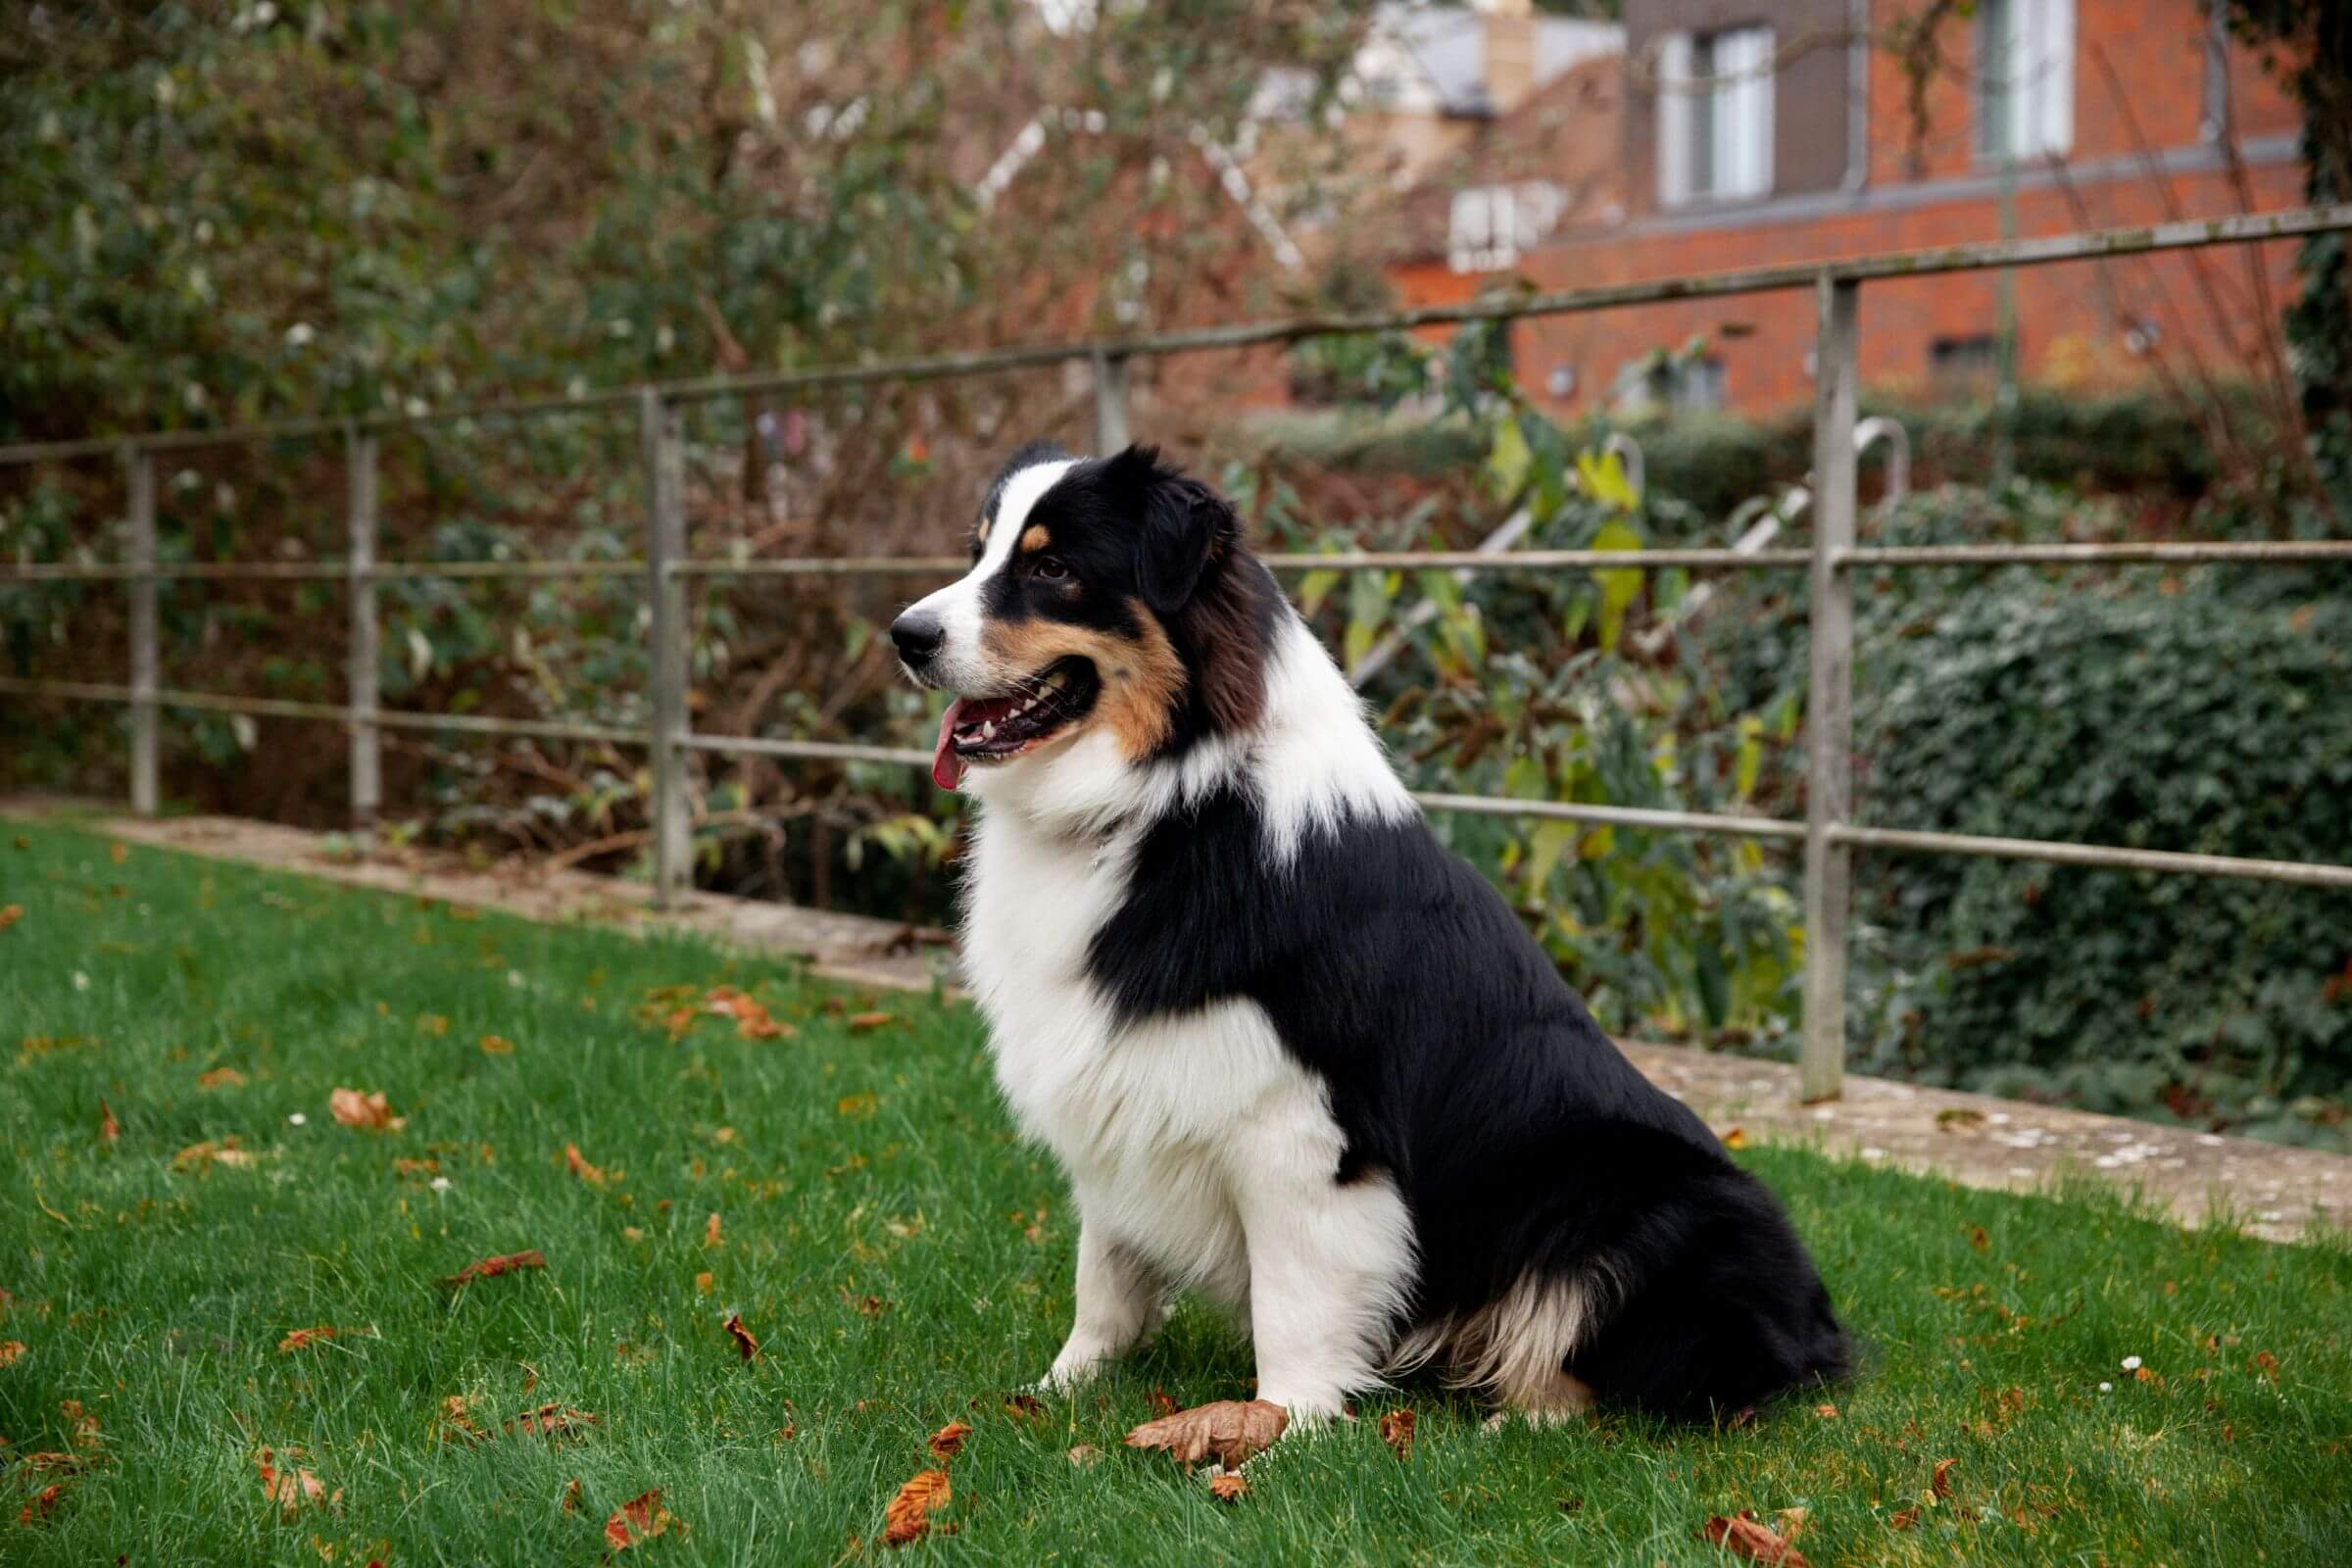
{"x":1753,"y":132}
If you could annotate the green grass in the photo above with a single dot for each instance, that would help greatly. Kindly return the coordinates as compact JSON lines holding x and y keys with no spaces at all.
{"x":851,"y":1164}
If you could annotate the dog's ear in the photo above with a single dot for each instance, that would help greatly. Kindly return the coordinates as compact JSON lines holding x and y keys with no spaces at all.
{"x":1181,"y":525}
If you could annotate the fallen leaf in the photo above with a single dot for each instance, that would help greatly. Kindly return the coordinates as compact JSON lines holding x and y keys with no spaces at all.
{"x":1743,"y":1536}
{"x":109,"y":1129}
{"x":1230,"y":1430}
{"x":855,"y":1107}
{"x":293,"y":1486}
{"x":549,"y":1421}
{"x":118,"y":853}
{"x":2264,"y":1363}
{"x":753,"y":1020}
{"x":1397,"y":1431}
{"x":1021,"y":1406}
{"x":10,"y":1351}
{"x":1736,"y":1138}
{"x":416,"y":1167}
{"x":299,"y":1339}
{"x":371,"y":1111}
{"x":1162,"y":1404}
{"x":704,"y":1283}
{"x":496,"y":1046}
{"x":1228,"y":1487}
{"x":492,"y":1267}
{"x":1977,"y":1239}
{"x":1828,"y":1412}
{"x":1941,"y":1484}
{"x":220,"y":1078}
{"x":948,"y":1442}
{"x":457,"y":1414}
{"x":743,"y":1341}
{"x":9,"y":914}
{"x":861,"y":1022}
{"x":907,"y":1519}
{"x":80,"y":1423}
{"x":213,"y":1151}
{"x":1085,"y":1455}
{"x":1793,"y":1522}
{"x":866,"y":1306}
{"x":43,"y":1504}
{"x":571,"y":1497}
{"x":711,"y":1233}
{"x":577,"y":1163}
{"x":640,"y":1520}
{"x":1902,"y":1519}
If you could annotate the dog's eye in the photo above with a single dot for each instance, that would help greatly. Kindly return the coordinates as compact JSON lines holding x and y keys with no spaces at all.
{"x":1052,"y":568}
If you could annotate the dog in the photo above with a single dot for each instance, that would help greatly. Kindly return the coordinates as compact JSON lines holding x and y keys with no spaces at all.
{"x":1291,"y":1053}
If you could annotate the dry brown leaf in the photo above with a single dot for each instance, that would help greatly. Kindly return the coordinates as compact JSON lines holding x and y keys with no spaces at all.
{"x":109,"y":1129}
{"x":1085,"y":1455}
{"x":371,"y":1111}
{"x":571,"y":1495}
{"x":80,"y":1423}
{"x":1162,"y":1404}
{"x":640,"y":1520}
{"x":496,"y":1046}
{"x":44,"y":1503}
{"x":907,"y":1519}
{"x":9,"y":914}
{"x":299,"y":1339}
{"x":948,"y":1442}
{"x":1828,"y":1412}
{"x":742,"y":1336}
{"x":416,"y":1167}
{"x":10,"y":1351}
{"x":753,"y":1020}
{"x":710,"y":1237}
{"x":220,"y":1078}
{"x":213,"y":1151}
{"x":1793,"y":1522}
{"x":1743,"y":1536}
{"x":577,"y":1163}
{"x":457,"y":1414}
{"x":549,"y":1421}
{"x":1736,"y":1138}
{"x":292,"y":1487}
{"x":1228,"y":1487}
{"x":492,"y":1267}
{"x":1902,"y":1519}
{"x":1941,"y":1484}
{"x":2264,"y":1363}
{"x":117,"y":852}
{"x":1021,"y":1406}
{"x":1397,"y":1431}
{"x":704,"y":1283}
{"x":1229,"y":1430}
{"x":861,"y":1022}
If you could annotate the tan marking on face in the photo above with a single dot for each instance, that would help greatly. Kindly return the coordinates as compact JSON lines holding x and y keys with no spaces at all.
{"x":982,"y":537}
{"x":1036,"y":538}
{"x":1142,"y":677}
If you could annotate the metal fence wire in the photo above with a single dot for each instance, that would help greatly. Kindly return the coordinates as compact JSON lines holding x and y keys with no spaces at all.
{"x":1828,"y":560}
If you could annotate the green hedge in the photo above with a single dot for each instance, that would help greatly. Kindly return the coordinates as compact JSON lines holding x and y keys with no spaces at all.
{"x":2206,"y":717}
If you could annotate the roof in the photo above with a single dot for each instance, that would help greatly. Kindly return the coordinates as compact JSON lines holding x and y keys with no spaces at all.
{"x":1432,"y":57}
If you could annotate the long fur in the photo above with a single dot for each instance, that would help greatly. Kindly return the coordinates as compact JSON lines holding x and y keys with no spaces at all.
{"x":1291,"y":1052}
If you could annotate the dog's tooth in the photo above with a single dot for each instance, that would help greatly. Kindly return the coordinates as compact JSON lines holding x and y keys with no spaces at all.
{"x":988,"y":731}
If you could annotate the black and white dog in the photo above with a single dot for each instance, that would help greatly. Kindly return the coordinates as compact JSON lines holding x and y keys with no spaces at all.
{"x":1292,"y":1052}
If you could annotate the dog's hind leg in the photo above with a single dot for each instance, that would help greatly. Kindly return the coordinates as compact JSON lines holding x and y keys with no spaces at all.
{"x":1121,"y":1302}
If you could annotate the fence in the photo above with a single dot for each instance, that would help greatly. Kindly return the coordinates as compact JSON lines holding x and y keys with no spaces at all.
{"x":1830,"y":560}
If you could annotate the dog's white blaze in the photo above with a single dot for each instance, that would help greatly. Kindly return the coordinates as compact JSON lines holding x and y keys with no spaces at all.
{"x":1200,"y":1154}
{"x":960,"y":665}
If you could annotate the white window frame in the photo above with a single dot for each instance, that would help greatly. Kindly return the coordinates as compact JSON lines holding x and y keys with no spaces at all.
{"x":1715,"y":89}
{"x":2031,"y":102}
{"x":1488,"y":225}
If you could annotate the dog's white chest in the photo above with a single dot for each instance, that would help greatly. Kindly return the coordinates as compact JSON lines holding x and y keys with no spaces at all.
{"x":1158,"y":1121}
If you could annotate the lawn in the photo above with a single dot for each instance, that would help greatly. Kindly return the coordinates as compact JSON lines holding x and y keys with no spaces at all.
{"x":851,"y":1190}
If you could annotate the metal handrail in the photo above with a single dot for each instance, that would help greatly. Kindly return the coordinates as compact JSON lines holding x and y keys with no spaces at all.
{"x":2244,"y":228}
{"x":1831,"y":559}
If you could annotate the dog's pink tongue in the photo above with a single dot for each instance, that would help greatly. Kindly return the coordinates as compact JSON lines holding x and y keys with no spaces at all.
{"x":947,"y":768}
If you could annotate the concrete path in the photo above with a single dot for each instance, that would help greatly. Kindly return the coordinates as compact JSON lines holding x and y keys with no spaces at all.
{"x":2272,"y":1190}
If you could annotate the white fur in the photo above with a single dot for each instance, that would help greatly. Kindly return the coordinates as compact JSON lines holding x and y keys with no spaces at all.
{"x":960,"y":665}
{"x":1201,"y":1156}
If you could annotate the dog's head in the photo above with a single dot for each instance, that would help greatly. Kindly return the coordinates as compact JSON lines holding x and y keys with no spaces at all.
{"x":1110,"y":601}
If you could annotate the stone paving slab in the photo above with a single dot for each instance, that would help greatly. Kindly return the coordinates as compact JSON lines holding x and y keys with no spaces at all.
{"x":2270,"y":1190}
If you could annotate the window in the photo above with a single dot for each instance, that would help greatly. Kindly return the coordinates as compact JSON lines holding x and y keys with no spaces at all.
{"x":2025,"y":77}
{"x":1963,"y":363}
{"x":1714,"y":115}
{"x":1490,"y":224}
{"x":1680,"y":383}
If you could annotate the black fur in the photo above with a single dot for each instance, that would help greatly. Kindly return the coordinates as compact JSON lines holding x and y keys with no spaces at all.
{"x":1462,"y":1065}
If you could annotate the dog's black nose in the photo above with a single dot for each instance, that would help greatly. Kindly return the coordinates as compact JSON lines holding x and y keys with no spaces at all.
{"x":918,"y":637}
